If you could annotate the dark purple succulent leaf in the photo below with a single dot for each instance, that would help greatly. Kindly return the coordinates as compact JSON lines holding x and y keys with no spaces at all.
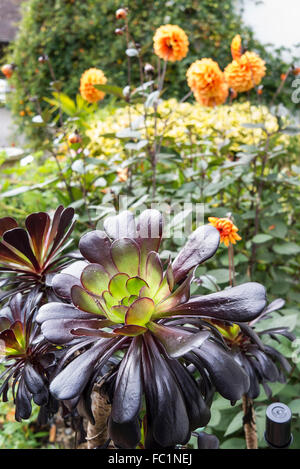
{"x":120,"y":226}
{"x":149,"y":231}
{"x":8,"y":256}
{"x":180,"y":295}
{"x":130,"y":330}
{"x":274,"y":306}
{"x":10,"y":341}
{"x":71,"y":381}
{"x":37,"y":225}
{"x":206,"y":441}
{"x":86,"y":332}
{"x":61,"y":311}
{"x":54,"y":226}
{"x":4,"y":323}
{"x":278,"y":356}
{"x":166,"y":410}
{"x":64,"y":229}
{"x":128,"y":389}
{"x":18,"y":239}
{"x":238,"y":304}
{"x":279,"y":330}
{"x":35,"y":384}
{"x":63,"y":283}
{"x":267,"y":366}
{"x":249,"y":331}
{"x":201,"y":245}
{"x":95,"y":247}
{"x":177,"y":341}
{"x":23,"y":402}
{"x":198,"y":412}
{"x":124,"y":435}
{"x":59,"y":332}
{"x":7,"y":223}
{"x":229,"y":378}
{"x":254,"y":389}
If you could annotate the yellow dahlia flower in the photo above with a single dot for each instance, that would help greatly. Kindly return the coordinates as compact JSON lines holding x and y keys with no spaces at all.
{"x":245,"y":73}
{"x":92,"y":76}
{"x":227,"y":230}
{"x":170,"y":43}
{"x":236,"y":47}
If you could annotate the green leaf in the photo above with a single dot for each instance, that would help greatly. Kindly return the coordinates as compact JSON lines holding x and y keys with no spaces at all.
{"x":261,"y":238}
{"x":233,"y":443}
{"x":111,"y":89}
{"x":290,"y":130}
{"x":286,"y":249}
{"x":235,"y":424}
{"x":295,"y":406}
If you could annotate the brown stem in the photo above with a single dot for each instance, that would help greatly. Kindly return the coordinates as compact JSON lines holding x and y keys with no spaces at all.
{"x":97,"y":434}
{"x":249,"y":423}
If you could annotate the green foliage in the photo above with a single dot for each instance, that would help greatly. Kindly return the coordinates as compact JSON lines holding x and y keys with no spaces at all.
{"x":79,"y":35}
{"x":16,"y":435}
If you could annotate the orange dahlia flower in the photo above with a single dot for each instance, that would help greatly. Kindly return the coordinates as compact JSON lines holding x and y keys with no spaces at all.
{"x":170,"y":42}
{"x":227,"y":230}
{"x":205,"y":76}
{"x":245,"y":73}
{"x":91,"y":77}
{"x":220,"y":96}
{"x":7,"y":70}
{"x":236,"y":47}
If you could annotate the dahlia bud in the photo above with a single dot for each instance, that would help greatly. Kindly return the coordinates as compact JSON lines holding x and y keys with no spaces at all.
{"x":74,"y":138}
{"x":43,"y":58}
{"x":119,"y":32}
{"x":260,"y":90}
{"x":148,"y":69}
{"x":121,"y":13}
{"x":7,"y":70}
{"x":233,"y":93}
{"x":296,"y":71}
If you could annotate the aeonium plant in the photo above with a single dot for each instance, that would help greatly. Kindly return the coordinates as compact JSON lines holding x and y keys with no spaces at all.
{"x":28,"y":359}
{"x":28,"y":256}
{"x":121,"y":302}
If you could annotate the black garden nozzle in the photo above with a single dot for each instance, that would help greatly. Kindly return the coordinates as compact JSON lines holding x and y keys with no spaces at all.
{"x":278,"y":426}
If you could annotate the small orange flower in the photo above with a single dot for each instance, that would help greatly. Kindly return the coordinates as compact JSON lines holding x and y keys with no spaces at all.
{"x":227,"y":230}
{"x":7,"y":70}
{"x":245,"y":73}
{"x":170,"y":42}
{"x":296,"y":71}
{"x":92,"y":76}
{"x":283,"y":76}
{"x":236,"y":47}
{"x":22,"y":113}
